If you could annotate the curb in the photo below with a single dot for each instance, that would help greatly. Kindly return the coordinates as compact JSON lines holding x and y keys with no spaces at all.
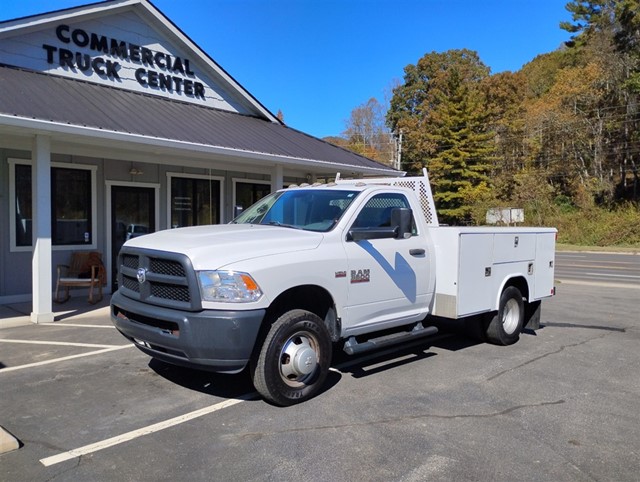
{"x":7,"y":442}
{"x":14,"y":322}
{"x":601,"y":284}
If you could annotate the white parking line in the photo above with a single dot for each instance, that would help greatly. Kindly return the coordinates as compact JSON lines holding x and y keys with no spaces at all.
{"x":59,"y":343}
{"x":75,"y":325}
{"x":125,"y":437}
{"x":56,"y":360}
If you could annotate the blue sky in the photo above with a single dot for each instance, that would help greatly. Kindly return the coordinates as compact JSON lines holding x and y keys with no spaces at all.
{"x":316,"y":60}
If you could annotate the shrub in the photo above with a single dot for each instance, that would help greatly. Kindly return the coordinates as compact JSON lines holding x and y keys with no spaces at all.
{"x":598,"y":226}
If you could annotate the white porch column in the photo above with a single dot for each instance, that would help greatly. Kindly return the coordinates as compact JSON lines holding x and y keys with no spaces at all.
{"x":41,"y":264}
{"x":277,"y":178}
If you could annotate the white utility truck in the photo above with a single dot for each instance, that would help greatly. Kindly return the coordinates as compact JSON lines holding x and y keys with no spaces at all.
{"x":363,"y":263}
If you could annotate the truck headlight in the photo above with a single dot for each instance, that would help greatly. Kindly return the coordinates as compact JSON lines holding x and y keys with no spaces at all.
{"x":228,"y":286}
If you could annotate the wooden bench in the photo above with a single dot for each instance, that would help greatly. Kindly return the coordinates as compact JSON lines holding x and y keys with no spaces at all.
{"x":85,"y":270}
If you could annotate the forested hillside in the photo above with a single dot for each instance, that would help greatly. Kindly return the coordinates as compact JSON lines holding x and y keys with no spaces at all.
{"x":559,"y":138}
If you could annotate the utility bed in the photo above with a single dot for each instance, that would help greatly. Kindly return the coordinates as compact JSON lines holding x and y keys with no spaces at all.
{"x":473,"y":263}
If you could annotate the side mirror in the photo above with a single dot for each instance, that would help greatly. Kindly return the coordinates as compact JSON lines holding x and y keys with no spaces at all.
{"x":237,"y":211}
{"x":401,"y":219}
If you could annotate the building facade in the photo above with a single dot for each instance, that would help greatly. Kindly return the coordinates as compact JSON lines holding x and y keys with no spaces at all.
{"x":113,"y":124}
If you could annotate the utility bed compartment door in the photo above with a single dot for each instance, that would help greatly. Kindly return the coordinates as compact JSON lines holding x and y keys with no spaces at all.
{"x":544,"y":265}
{"x":474,"y":286}
{"x":510,"y":247}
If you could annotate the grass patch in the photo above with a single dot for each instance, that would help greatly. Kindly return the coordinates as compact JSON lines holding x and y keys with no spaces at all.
{"x":598,"y":249}
{"x":597,"y":227}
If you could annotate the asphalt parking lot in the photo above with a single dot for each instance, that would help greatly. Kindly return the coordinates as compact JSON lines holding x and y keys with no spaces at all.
{"x":561,"y":404}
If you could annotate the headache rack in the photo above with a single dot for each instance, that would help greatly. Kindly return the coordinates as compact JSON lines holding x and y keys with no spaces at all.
{"x":418,"y":184}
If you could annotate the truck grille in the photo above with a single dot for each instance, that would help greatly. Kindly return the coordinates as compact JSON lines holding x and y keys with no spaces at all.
{"x":131,"y":284}
{"x":158,"y":278}
{"x":171,"y":292}
{"x":168,"y":267}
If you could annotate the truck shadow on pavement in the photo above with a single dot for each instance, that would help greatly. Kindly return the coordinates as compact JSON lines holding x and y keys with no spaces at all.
{"x":453,"y":338}
{"x":552,"y":324}
{"x":217,"y":384}
{"x":210,"y":383}
{"x":454,"y":335}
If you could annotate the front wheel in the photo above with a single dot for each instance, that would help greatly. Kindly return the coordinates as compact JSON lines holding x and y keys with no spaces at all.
{"x":505,"y":326}
{"x":294,"y":359}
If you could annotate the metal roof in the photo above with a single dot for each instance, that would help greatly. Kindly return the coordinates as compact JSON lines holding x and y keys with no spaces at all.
{"x":33,"y":95}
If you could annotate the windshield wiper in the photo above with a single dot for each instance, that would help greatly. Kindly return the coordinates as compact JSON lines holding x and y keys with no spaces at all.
{"x":282,"y":225}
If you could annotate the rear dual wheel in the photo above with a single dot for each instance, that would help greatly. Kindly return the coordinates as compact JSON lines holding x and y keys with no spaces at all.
{"x":504,"y":327}
{"x":294,"y":360}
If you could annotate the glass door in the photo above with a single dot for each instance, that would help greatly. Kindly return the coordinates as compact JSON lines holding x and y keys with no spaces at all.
{"x":132,"y":215}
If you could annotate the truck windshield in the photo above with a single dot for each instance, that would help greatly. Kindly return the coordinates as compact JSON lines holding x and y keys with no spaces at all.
{"x":311,"y":210}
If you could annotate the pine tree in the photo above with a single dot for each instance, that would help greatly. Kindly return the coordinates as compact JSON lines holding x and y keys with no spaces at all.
{"x":463,"y":147}
{"x":442,"y":114}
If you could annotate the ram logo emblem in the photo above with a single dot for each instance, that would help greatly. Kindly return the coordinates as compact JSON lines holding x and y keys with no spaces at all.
{"x":141,"y":275}
{"x":360,"y":276}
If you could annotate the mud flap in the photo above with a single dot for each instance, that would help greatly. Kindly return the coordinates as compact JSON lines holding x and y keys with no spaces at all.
{"x":532,"y":315}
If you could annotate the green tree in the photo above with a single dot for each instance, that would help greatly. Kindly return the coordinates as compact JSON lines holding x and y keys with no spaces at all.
{"x":463,"y":146}
{"x":627,"y":41}
{"x":589,"y":17}
{"x":440,"y":108}
{"x":505,"y":95}
{"x":414,"y":99}
{"x":540,"y":73}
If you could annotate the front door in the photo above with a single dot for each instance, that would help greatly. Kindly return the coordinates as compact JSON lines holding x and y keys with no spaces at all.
{"x":389,"y":278}
{"x":132,"y":215}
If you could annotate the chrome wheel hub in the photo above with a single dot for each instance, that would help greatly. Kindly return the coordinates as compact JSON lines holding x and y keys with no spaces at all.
{"x":510,"y":316}
{"x":298,"y":358}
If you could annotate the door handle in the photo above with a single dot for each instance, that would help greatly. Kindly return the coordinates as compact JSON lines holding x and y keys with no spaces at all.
{"x":416,"y":252}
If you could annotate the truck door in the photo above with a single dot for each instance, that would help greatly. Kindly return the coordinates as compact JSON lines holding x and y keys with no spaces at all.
{"x":388,"y":278}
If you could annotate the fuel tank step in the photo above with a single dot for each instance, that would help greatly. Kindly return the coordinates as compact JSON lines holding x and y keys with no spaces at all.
{"x":353,"y":347}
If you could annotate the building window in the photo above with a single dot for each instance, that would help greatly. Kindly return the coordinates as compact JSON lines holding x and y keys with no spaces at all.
{"x":72,"y":205}
{"x":195,"y":201}
{"x":250,"y":192}
{"x":23,"y":205}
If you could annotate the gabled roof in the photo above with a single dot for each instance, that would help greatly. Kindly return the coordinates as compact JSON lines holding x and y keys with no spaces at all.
{"x":154,"y":17}
{"x":59,"y":104}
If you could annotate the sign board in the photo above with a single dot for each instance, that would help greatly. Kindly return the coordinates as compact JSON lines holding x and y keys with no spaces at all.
{"x":506,"y":216}
{"x":119,"y":50}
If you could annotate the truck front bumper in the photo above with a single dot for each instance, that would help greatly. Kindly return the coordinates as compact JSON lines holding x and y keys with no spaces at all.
{"x":214,"y":340}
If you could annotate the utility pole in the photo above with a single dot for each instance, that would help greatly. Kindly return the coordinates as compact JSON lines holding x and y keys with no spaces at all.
{"x":398,"y":162}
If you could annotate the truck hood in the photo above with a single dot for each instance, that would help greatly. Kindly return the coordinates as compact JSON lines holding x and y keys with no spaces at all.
{"x":213,"y":247}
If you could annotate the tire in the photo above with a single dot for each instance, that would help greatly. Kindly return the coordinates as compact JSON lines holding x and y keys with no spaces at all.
{"x":505,"y":325}
{"x":294,"y":360}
